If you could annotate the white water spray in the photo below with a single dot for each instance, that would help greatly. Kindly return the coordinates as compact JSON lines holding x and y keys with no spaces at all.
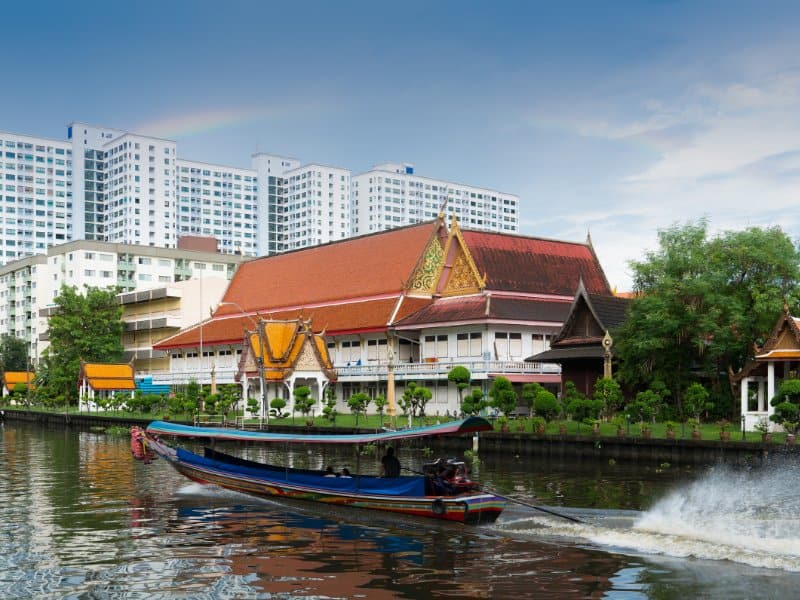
{"x":744,"y":516}
{"x":749,"y":517}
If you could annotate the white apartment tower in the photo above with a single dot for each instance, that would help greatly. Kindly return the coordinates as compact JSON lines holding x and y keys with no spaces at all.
{"x":111,"y":185}
{"x":271,"y":170}
{"x":220,"y":202}
{"x":317,"y":205}
{"x":36,"y":195}
{"x":124,"y":186}
{"x":392,"y":195}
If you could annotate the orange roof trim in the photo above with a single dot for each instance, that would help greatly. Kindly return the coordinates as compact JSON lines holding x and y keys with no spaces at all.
{"x":14,"y":378}
{"x":111,"y":376}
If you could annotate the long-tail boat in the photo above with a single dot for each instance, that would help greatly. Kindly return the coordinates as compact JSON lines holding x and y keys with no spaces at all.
{"x":442,"y":491}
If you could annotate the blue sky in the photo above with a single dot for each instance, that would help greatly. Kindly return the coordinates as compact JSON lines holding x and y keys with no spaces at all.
{"x":616,"y":118}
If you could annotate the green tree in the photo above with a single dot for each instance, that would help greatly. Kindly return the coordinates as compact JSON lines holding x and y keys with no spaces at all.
{"x":529,"y":391}
{"x":358,"y":404}
{"x":547,"y":405}
{"x":702,"y":303}
{"x":695,"y":400}
{"x":503,"y":396}
{"x":276,"y":406}
{"x":608,"y":392}
{"x":380,"y":405}
{"x":462,"y":377}
{"x":421,"y":396}
{"x":13,"y":353}
{"x":82,"y":327}
{"x":646,"y":406}
{"x":329,"y":405}
{"x":787,"y":404}
{"x":474,"y":403}
{"x":303,"y":400}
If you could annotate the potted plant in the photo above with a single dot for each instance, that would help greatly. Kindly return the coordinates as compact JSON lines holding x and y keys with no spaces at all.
{"x":762,"y":426}
{"x":562,"y":428}
{"x":695,"y":423}
{"x":521,"y":424}
{"x":538,"y":425}
{"x":620,"y":423}
{"x":647,"y":430}
{"x":724,"y":425}
{"x":671,"y":425}
{"x":503,"y":422}
{"x":791,"y":432}
{"x":595,"y":425}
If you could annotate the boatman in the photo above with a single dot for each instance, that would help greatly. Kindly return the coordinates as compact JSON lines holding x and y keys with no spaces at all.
{"x":390,"y":466}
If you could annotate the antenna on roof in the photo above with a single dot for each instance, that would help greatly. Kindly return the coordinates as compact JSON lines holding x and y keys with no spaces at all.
{"x":588,"y":237}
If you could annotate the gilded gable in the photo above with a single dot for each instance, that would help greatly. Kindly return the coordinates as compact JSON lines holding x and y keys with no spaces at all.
{"x":426,"y":274}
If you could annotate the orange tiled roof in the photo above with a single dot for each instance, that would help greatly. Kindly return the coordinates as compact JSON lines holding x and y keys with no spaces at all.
{"x":335,"y":319}
{"x":110,"y":376}
{"x":359,"y":267}
{"x":12,"y":378}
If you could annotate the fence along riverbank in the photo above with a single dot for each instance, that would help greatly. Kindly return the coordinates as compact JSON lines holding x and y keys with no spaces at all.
{"x":578,"y":447}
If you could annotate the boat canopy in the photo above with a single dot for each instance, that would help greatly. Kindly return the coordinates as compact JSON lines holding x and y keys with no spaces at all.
{"x":468,"y":425}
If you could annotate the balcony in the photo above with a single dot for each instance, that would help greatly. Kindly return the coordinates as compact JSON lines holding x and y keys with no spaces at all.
{"x":439,"y":369}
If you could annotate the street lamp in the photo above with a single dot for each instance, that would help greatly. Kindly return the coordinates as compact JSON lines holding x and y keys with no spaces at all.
{"x":260,"y":358}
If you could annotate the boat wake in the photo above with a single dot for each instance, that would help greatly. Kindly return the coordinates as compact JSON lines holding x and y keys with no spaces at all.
{"x":747,"y":517}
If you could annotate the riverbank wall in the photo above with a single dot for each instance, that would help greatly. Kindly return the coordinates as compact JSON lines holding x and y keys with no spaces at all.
{"x":567,"y":447}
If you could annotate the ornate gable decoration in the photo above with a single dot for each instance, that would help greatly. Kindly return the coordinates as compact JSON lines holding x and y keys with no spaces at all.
{"x":282,"y":347}
{"x":785,"y":337}
{"x":446,"y":267}
{"x":426,"y":273}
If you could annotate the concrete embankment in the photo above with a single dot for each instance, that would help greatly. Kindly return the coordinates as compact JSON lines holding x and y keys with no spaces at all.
{"x":674,"y":451}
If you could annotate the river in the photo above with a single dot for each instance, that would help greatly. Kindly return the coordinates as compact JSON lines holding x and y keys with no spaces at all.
{"x":80,"y":519}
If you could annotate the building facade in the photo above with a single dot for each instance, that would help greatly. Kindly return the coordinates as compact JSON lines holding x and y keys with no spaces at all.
{"x":391,"y":195}
{"x":28,"y":286}
{"x":112,"y":185}
{"x":398,"y":306}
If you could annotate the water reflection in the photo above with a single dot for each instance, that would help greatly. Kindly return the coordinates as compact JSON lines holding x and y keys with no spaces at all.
{"x":79,"y":518}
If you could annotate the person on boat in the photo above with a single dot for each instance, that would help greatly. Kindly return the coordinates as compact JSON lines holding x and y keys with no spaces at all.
{"x":390,"y":466}
{"x":346,"y":473}
{"x":443,"y":481}
{"x":329,"y":472}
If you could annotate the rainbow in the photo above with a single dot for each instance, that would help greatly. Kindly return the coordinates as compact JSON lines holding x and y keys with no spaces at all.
{"x":202,"y":121}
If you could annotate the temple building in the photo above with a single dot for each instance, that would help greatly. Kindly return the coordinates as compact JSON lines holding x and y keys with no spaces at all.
{"x":389,"y":308}
{"x":760,"y":378}
{"x":585,"y":346}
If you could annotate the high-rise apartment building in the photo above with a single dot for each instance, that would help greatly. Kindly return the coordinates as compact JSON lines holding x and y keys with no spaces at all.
{"x":391,"y":195}
{"x":317,"y":206}
{"x":111,"y":185}
{"x":220,"y":202}
{"x":36,"y":195}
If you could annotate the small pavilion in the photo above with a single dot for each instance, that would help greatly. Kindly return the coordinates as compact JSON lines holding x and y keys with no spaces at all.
{"x":11,"y":379}
{"x":100,"y":380}
{"x":283,"y":354}
{"x":760,"y":378}
{"x":584,"y":346}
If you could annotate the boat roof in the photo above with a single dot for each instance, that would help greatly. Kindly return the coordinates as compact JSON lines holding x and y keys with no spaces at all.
{"x":468,"y":425}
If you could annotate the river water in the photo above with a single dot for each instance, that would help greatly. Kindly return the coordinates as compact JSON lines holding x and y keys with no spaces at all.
{"x":80,"y":519}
